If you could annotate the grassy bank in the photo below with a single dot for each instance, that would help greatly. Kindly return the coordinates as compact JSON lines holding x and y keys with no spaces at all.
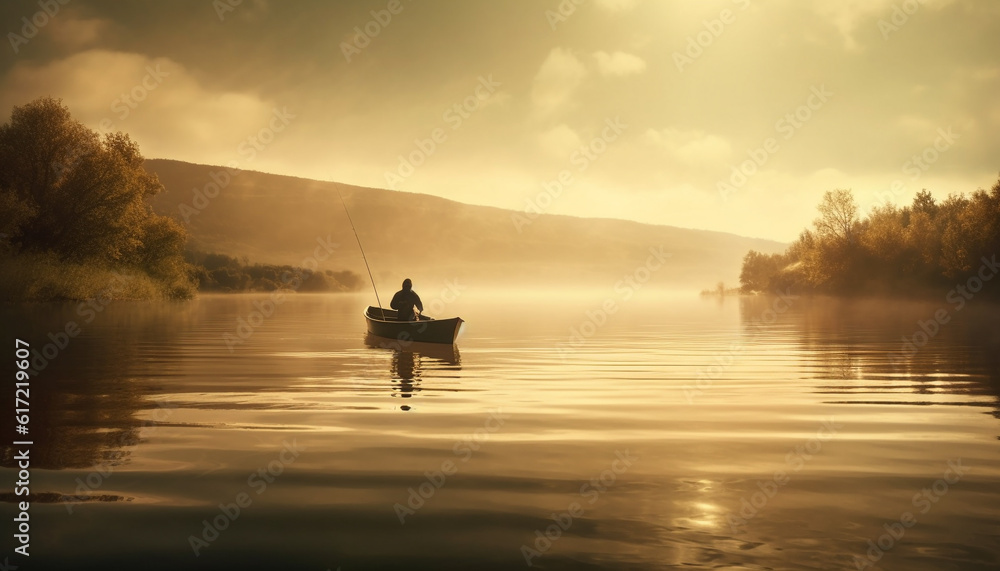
{"x":41,"y":278}
{"x":37,"y":277}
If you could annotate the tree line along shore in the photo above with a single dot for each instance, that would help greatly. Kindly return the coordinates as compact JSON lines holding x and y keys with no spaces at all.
{"x":923,"y":249}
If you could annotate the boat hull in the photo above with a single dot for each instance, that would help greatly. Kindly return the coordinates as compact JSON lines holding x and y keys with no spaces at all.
{"x":382,"y":323}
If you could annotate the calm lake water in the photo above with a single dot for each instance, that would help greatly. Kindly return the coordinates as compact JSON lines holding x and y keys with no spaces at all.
{"x":676,"y":431}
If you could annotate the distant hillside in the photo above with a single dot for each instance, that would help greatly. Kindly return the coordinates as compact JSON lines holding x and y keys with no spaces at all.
{"x":278,"y":219}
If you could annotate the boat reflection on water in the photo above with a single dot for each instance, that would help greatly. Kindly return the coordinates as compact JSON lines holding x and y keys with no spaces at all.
{"x":411,"y":361}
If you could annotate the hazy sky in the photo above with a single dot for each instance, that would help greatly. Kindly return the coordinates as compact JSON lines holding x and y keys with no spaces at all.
{"x":667,"y":97}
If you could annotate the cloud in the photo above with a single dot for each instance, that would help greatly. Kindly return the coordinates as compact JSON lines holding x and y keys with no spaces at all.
{"x":914,"y":125}
{"x":155,"y":100}
{"x":72,"y":34}
{"x":693,"y":148}
{"x":560,"y":75}
{"x":559,"y":141}
{"x":619,"y":63}
{"x":849,"y":15}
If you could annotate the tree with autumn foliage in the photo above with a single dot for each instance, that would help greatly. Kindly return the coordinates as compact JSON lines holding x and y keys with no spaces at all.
{"x":914,"y":249}
{"x":73,"y":197}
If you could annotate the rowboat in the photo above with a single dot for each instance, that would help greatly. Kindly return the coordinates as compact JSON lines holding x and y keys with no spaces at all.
{"x":382,"y":323}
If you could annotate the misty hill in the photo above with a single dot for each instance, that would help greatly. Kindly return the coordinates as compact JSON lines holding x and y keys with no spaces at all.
{"x":279,"y":219}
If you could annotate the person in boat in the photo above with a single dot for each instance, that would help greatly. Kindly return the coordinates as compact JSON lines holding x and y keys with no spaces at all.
{"x":404,"y":301}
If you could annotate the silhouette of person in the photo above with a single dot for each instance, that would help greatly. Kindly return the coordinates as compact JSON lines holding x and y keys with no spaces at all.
{"x":406,"y":371}
{"x":404,"y":301}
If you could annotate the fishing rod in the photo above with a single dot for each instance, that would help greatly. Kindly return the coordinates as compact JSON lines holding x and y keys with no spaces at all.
{"x":363,"y":257}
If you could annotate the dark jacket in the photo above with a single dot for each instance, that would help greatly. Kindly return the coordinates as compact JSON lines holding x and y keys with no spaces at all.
{"x":403,"y":302}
